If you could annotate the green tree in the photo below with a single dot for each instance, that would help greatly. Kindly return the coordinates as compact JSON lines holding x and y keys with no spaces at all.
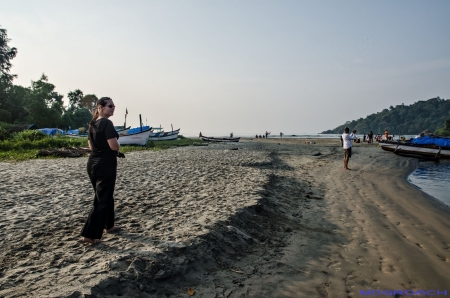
{"x":413,"y":119}
{"x":17,"y":102}
{"x":6,"y":55}
{"x":74,"y":100}
{"x":66,"y":121}
{"x":89,"y":102}
{"x":45,"y":104}
{"x":81,"y":118}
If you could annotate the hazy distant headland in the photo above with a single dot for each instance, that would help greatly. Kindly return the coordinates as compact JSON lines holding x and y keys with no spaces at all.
{"x":423,"y":115}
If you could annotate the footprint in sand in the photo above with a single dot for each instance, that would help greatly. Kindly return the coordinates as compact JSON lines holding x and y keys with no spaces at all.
{"x":361,"y":261}
{"x":335,"y":265}
{"x":386,"y":268}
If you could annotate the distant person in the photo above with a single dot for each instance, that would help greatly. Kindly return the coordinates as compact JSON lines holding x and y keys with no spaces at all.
{"x":370,"y":137}
{"x":231,"y":135}
{"x":281,"y":135}
{"x":256,"y":136}
{"x":364,"y":137}
{"x":386,"y":135}
{"x":347,"y":139}
{"x":356,"y":140}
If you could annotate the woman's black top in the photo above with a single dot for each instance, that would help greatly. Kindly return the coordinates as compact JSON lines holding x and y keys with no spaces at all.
{"x":99,"y":132}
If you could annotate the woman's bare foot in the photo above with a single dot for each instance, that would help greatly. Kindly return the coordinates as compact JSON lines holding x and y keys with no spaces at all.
{"x":90,"y":240}
{"x":115,"y":228}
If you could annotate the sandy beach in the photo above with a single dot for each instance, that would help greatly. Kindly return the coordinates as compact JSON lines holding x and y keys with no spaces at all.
{"x":258,"y":218}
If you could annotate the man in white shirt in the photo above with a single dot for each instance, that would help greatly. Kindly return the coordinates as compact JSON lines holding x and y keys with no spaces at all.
{"x":347,"y":140}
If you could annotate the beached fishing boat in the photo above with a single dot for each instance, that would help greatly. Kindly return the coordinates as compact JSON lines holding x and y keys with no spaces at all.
{"x":123,"y":131}
{"x":138,"y":138}
{"x":211,"y":139}
{"x":416,"y":151}
{"x":164,"y":136}
{"x":431,"y":141}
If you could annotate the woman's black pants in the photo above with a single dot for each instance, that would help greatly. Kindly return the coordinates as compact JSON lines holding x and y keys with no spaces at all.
{"x":102,"y":172}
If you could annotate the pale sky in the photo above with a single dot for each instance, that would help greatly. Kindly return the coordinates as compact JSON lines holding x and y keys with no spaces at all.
{"x":235,"y":65}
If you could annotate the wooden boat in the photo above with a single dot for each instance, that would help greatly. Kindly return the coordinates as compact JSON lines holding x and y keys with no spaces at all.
{"x":417,"y":152}
{"x":165,"y":136}
{"x":139,"y":138}
{"x":211,"y":139}
{"x":123,"y":131}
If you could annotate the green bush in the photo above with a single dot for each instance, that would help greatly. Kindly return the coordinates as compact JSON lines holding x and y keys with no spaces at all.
{"x":4,"y":134}
{"x":27,"y":141}
{"x":445,"y":131}
{"x":29,"y":135}
{"x":442,"y":132}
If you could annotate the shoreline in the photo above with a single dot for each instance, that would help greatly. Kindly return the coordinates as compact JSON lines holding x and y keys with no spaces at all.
{"x":431,"y":193}
{"x":262,"y":217}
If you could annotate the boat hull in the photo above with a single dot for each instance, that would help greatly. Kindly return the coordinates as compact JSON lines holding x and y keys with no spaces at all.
{"x":165,"y":136}
{"x":123,"y":132}
{"x":139,"y":138}
{"x":211,"y":139}
{"x":418,"y":152}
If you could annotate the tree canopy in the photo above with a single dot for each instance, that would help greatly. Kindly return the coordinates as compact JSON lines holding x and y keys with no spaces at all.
{"x":6,"y":55}
{"x":39,"y":104}
{"x":402,"y":120}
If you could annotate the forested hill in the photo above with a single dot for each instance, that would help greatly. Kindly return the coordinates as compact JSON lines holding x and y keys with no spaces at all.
{"x":402,"y":120}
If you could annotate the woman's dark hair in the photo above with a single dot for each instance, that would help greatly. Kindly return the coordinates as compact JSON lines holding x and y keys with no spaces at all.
{"x":100,"y":102}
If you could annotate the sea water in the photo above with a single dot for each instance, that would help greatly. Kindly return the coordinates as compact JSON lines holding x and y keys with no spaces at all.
{"x":434,"y":179}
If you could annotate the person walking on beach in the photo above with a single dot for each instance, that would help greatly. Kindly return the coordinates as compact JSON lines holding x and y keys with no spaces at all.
{"x":347,"y":140}
{"x":102,"y":171}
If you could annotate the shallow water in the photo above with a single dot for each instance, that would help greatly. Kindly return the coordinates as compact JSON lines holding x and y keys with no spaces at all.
{"x":434,"y":179}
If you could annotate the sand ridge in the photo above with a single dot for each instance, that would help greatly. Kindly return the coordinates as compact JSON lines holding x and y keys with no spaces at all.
{"x":260,"y":218}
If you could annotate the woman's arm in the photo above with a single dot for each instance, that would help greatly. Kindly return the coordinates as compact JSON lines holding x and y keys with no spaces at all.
{"x":113,"y":144}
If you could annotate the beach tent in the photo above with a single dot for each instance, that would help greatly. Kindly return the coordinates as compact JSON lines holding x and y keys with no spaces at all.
{"x":438,"y":141}
{"x":51,"y":131}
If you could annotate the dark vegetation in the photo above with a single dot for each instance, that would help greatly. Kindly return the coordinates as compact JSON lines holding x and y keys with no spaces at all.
{"x":423,"y":115}
{"x":39,"y":103}
{"x":20,"y":146}
{"x":444,"y":131}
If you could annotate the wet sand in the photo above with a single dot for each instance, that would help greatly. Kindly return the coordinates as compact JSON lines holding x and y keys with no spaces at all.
{"x":259,"y":218}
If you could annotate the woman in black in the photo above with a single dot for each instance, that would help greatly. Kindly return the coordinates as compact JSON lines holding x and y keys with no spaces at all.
{"x":102,"y":170}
